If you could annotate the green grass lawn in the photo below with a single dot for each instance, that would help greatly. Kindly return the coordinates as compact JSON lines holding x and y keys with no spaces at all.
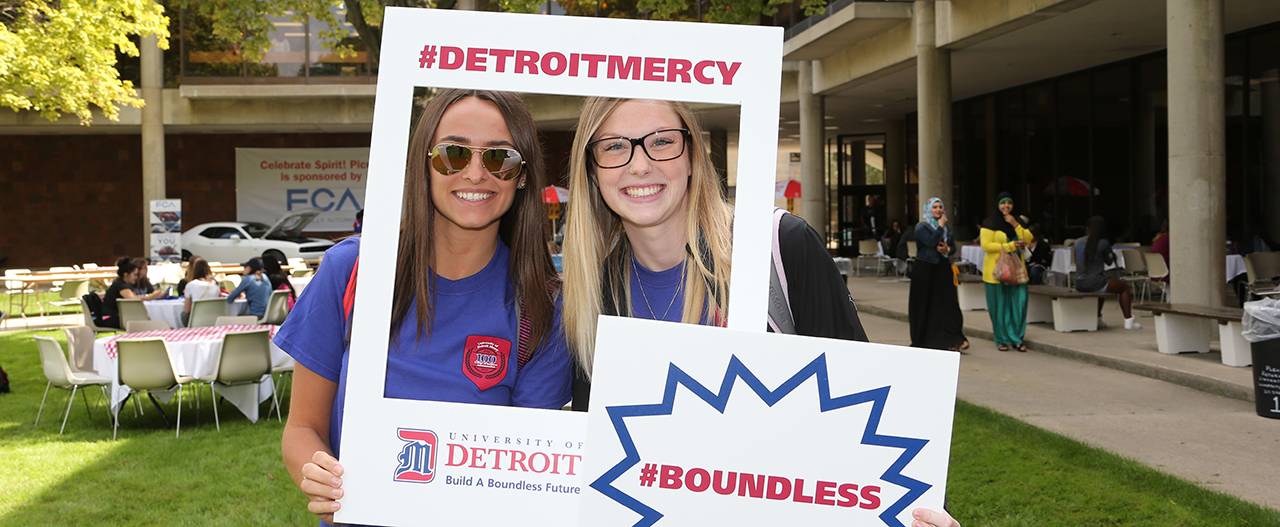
{"x":1003,"y":472}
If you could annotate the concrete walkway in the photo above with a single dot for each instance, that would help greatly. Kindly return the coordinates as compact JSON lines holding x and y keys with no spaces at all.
{"x":1210,"y":439}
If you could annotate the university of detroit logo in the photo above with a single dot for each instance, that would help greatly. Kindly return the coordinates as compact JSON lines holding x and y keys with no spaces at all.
{"x":484,"y":360}
{"x":417,"y":456}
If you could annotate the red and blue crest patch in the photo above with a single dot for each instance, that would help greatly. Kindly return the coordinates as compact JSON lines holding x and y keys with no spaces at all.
{"x":485,"y":360}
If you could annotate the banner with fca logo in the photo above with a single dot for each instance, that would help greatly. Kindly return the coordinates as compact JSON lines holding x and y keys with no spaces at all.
{"x":417,"y":456}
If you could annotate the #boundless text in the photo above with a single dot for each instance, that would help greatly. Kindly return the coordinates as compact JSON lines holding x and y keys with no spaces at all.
{"x":759,"y":486}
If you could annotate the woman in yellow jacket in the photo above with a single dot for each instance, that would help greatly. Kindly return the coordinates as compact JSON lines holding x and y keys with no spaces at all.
{"x":1006,"y":303}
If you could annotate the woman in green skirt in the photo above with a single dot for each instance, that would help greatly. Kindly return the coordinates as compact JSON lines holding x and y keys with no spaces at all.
{"x":1006,"y":303}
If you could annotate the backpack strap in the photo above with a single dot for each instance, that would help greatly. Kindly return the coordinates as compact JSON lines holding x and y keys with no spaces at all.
{"x":780,"y":318}
{"x":524,"y":352}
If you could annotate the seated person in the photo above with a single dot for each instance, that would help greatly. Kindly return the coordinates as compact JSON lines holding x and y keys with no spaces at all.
{"x":1041,"y":256}
{"x":1093,"y":254}
{"x":279,"y":279}
{"x":143,"y":288}
{"x":200,"y":285}
{"x":255,"y":286}
{"x":127,"y":275}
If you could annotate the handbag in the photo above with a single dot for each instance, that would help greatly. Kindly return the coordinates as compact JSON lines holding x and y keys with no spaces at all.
{"x":1009,"y":270}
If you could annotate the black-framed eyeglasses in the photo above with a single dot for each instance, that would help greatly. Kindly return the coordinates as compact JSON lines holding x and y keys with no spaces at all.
{"x":502,"y":162}
{"x":615,"y":152}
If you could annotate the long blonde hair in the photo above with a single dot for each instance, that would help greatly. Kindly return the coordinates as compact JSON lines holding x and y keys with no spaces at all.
{"x":597,"y":253}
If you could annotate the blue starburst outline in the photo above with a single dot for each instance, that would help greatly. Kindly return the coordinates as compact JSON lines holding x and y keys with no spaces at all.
{"x":738,"y":370}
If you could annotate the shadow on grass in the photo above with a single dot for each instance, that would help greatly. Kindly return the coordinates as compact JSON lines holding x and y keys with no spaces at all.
{"x":147,"y":477}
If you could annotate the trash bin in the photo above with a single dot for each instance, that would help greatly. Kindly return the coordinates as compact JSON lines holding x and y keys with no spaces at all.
{"x":1262,"y":330}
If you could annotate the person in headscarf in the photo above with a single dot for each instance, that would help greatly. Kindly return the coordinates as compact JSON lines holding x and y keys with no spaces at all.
{"x":933,"y":310}
{"x":1002,"y":234}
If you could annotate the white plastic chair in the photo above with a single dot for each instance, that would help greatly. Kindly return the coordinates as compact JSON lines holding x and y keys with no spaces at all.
{"x":240,"y":320}
{"x":205,"y":313}
{"x":1135,"y":269}
{"x":80,"y":347}
{"x":88,"y":318}
{"x":134,"y":326}
{"x":143,"y":365}
{"x":57,"y":286}
{"x":245,"y":359}
{"x":277,"y":308}
{"x":1157,"y":273}
{"x":867,"y":249}
{"x":131,"y":309}
{"x":59,"y":374}
{"x":70,"y":292}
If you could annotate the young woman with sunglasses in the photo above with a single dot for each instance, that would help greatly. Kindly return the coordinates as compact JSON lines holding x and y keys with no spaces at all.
{"x":645,"y":199}
{"x":471,"y":210}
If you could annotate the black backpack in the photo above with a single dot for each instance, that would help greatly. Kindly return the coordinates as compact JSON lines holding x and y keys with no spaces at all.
{"x":4,"y":381}
{"x":94,"y":304}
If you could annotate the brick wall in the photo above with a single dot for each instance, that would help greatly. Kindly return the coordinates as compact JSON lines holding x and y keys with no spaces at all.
{"x":69,"y":199}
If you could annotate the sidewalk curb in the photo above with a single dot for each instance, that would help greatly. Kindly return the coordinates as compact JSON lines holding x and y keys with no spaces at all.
{"x":1189,"y":380}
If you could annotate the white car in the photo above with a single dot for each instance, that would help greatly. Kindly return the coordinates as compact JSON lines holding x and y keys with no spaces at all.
{"x":236,"y":242}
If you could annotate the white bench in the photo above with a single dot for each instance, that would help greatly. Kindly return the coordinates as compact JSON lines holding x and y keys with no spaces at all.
{"x":1068,"y":309}
{"x":1185,"y":328}
{"x":971,"y":293}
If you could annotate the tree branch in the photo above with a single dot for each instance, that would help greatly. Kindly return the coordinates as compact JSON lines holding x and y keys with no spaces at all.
{"x":370,"y":35}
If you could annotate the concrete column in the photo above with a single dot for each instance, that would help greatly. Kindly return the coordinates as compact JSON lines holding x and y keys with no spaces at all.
{"x":1197,"y":164}
{"x":895,"y":181}
{"x":993,"y":174}
{"x":813,"y":203}
{"x":933,"y":105}
{"x":152,"y":64}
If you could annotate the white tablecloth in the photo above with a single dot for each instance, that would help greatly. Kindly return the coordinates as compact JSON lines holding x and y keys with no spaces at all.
{"x":1235,"y":266}
{"x":170,"y":310}
{"x":973,"y":254}
{"x":1062,"y":262}
{"x":299,"y":283}
{"x":194,"y":353}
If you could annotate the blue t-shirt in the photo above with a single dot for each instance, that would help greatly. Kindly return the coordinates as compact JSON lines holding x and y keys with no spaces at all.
{"x":662,"y":290}
{"x":257,"y":291}
{"x":470,"y":355}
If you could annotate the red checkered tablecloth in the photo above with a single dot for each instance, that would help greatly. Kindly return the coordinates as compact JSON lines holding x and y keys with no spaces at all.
{"x":187,"y":334}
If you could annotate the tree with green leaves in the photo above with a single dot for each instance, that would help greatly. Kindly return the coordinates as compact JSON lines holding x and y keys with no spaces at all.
{"x":59,"y":56}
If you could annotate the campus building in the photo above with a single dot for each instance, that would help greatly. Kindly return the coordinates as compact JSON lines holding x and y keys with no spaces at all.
{"x":1140,"y":111}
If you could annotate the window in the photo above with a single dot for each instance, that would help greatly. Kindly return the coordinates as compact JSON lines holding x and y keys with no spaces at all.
{"x":221,"y":233}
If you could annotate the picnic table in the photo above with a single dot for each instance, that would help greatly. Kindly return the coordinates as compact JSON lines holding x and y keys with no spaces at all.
{"x":193,"y":352}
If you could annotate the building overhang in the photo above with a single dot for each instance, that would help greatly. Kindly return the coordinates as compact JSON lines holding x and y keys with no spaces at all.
{"x":854,"y":22}
{"x":276,"y":91}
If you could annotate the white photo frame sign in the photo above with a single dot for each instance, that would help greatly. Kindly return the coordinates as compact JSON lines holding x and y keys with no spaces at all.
{"x":545,"y":55}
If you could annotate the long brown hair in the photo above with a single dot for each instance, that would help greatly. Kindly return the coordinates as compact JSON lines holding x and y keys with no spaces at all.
{"x":198,"y":268}
{"x":523,"y":227}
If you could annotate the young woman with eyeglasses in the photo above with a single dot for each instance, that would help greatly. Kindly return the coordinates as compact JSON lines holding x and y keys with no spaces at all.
{"x":648,"y":236}
{"x":471,"y":212}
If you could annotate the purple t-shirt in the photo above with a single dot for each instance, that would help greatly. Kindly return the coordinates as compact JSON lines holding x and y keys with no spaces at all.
{"x":654,"y":293}
{"x":469,"y":357}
